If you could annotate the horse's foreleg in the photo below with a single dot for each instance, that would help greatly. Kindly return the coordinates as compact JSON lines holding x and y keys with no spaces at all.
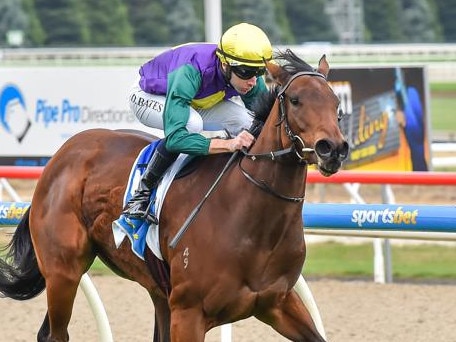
{"x":187,"y":325}
{"x":292,"y":320}
{"x":162,"y":320}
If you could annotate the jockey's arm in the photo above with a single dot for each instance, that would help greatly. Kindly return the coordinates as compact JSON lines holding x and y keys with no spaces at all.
{"x":183,"y":84}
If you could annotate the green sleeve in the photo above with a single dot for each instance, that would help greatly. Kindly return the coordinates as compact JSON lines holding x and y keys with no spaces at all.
{"x":259,"y":88}
{"x":183,"y":84}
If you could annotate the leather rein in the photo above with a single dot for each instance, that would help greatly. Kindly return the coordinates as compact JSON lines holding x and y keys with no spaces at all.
{"x":300,"y":152}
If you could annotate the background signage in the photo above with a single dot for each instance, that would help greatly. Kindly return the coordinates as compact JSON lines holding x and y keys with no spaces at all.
{"x":387,"y":119}
{"x":41,"y":107}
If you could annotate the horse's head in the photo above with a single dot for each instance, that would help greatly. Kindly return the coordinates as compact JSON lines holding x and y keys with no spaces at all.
{"x":308,"y":112}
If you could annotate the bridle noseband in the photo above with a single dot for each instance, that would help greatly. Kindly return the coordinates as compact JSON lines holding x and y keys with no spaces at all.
{"x":301,"y":152}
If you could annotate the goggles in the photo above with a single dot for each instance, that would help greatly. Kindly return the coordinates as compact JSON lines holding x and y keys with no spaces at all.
{"x":246,"y":72}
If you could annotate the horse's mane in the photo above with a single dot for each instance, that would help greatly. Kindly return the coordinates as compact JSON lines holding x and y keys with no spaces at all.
{"x":262,"y":106}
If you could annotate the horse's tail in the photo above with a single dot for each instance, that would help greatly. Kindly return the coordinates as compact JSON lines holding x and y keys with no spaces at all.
{"x":20,"y":277}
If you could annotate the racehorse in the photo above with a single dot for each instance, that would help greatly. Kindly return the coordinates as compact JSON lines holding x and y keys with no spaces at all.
{"x":244,"y":250}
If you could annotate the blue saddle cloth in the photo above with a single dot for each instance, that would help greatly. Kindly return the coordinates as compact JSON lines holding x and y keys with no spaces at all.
{"x":136,"y":229}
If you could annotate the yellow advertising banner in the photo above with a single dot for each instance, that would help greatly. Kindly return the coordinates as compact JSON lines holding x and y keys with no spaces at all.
{"x":386,"y":119}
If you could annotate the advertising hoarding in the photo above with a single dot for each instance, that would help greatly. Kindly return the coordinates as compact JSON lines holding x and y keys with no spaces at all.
{"x":41,"y":107}
{"x":387,"y":117}
{"x":386,"y":121}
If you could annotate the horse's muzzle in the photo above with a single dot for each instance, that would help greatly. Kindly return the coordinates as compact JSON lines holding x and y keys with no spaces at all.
{"x":330,"y":156}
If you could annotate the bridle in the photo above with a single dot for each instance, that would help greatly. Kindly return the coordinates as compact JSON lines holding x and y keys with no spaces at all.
{"x":303,"y":151}
{"x":297,"y":149}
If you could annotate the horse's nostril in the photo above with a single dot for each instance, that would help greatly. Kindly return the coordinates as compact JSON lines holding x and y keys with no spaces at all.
{"x":343,"y":151}
{"x":326,"y":149}
{"x":323,"y":148}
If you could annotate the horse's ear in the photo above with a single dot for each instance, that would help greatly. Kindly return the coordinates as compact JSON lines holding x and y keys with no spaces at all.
{"x":323,"y":66}
{"x":277,"y":73}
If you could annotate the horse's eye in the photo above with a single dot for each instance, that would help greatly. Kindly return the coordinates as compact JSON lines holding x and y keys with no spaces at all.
{"x":340,"y":114}
{"x":294,"y":101}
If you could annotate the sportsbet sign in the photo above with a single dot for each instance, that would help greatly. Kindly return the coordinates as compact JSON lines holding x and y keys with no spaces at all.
{"x":12,"y":212}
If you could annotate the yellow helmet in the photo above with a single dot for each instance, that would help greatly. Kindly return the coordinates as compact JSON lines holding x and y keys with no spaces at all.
{"x":244,"y":44}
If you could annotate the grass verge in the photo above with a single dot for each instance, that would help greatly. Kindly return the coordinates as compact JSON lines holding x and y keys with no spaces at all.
{"x":442,"y":103}
{"x":442,"y":114}
{"x":410,"y":262}
{"x":427,"y":262}
{"x":99,"y":268}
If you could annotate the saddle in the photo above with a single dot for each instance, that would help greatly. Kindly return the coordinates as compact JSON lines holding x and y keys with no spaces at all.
{"x":144,"y":236}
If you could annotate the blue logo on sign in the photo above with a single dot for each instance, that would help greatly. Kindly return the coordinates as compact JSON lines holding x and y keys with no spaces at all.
{"x":13,"y":113}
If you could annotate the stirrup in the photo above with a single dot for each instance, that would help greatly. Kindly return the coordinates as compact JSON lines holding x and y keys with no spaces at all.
{"x":151,"y":218}
{"x":146,"y":215}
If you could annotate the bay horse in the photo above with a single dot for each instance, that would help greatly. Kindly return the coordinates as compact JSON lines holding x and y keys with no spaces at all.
{"x":242,"y":254}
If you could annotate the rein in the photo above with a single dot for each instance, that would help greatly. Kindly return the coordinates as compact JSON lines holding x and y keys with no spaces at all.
{"x":301,"y":153}
{"x":265,"y":187}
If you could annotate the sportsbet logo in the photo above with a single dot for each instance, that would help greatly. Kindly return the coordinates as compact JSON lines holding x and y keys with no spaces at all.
{"x":13,"y":211}
{"x":386,"y":216}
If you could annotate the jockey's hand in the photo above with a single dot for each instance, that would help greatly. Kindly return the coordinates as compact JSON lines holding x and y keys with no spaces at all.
{"x":243,"y":139}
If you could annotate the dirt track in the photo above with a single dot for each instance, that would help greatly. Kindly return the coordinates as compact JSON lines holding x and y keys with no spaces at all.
{"x":352,"y":311}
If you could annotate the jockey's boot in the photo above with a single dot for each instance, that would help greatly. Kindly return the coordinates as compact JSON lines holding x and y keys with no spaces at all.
{"x":139,"y":204}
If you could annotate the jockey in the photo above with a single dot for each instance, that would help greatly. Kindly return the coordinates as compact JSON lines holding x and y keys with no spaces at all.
{"x":186,"y":91}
